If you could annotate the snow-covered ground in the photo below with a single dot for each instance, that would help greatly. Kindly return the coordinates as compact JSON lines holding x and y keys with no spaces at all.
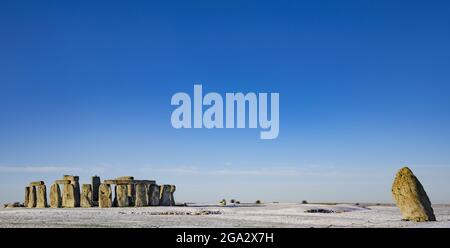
{"x":195,"y":215}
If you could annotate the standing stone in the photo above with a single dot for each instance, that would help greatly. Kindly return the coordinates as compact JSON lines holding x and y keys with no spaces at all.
{"x":411,"y":198}
{"x":27,"y":196}
{"x":68,"y":196}
{"x":55,"y":196}
{"x":131,"y":193}
{"x":166,"y":195}
{"x":153,"y":195}
{"x":95,"y":186}
{"x":86,"y":196}
{"x":115,"y":197}
{"x":77,"y":195}
{"x":74,"y":181}
{"x":32,"y":197}
{"x":122,"y":196}
{"x":41,"y":196}
{"x":104,"y":196}
{"x":141,"y":195}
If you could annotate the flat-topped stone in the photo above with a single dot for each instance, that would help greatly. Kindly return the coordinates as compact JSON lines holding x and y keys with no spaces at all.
{"x":117,"y":181}
{"x":71,"y":177}
{"x":125,"y":178}
{"x":63,"y":181}
{"x":37,"y":183}
{"x":145,"y":181}
{"x":128,"y":181}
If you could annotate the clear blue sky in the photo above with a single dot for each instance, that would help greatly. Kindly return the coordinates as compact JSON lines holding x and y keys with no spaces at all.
{"x":85,"y":88}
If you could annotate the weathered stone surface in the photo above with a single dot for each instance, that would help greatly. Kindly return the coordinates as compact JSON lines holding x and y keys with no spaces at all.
{"x":125,"y":178}
{"x":141,"y":195}
{"x":95,"y":185}
{"x":41,"y":196}
{"x":55,"y":196}
{"x":12,"y":205}
{"x":63,"y":181}
{"x":166,"y":195}
{"x":86,"y":196}
{"x":32,"y":197}
{"x":127,"y":181}
{"x":27,"y":196}
{"x":77,"y":194}
{"x":76,"y":190}
{"x":153,"y":195}
{"x":37,"y":183}
{"x":122,"y":196}
{"x":71,"y":178}
{"x":131,"y":193}
{"x":411,"y":198}
{"x":145,"y":181}
{"x":115,"y":196}
{"x":68,"y":196}
{"x":118,"y":182}
{"x":105,"y":196}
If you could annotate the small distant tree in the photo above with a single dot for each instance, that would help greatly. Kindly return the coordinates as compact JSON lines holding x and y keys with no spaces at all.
{"x":232,"y":201}
{"x":258,"y":202}
{"x":223,"y":202}
{"x":238,"y":202}
{"x":304,"y":202}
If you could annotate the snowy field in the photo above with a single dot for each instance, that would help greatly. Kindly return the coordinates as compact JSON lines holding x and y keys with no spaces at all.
{"x":244,"y":215}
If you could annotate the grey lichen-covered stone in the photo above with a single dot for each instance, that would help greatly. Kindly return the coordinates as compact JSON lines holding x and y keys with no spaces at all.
{"x":32,"y":197}
{"x":55,"y":196}
{"x":141,"y":195}
{"x":411,"y":198}
{"x":41,"y":196}
{"x":27,"y":196}
{"x":166,"y":195}
{"x":122,"y":196}
{"x":86,"y":196}
{"x":104,"y":196}
{"x":68,"y":196}
{"x":95,"y":185}
{"x":153,"y":195}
